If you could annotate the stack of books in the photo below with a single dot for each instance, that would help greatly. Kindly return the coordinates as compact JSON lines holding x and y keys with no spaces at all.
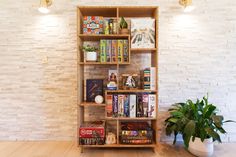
{"x":111,"y":50}
{"x":92,"y":133}
{"x":136,"y":133}
{"x":149,"y":78}
{"x":131,"y":105}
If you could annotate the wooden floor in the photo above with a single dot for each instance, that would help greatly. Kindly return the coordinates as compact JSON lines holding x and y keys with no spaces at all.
{"x":70,"y":149}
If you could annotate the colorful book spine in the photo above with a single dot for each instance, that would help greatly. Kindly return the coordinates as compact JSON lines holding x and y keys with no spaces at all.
{"x":114,"y":50}
{"x":120,"y":51}
{"x":152,"y":78}
{"x":108,"y":50}
{"x":115,"y":105}
{"x":109,"y":105}
{"x":139,"y":109}
{"x":126,"y":105}
{"x":102,"y":50}
{"x":152,"y":105}
{"x":146,"y":79}
{"x":132,"y":106}
{"x":120,"y":105}
{"x":145,"y":105}
{"x":126,"y":50}
{"x":106,"y":26}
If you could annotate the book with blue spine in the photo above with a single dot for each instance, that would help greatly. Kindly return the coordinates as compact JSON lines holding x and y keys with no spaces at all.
{"x":115,"y":105}
{"x":126,"y":105}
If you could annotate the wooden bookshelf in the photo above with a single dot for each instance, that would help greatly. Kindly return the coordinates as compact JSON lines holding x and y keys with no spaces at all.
{"x":115,"y":12}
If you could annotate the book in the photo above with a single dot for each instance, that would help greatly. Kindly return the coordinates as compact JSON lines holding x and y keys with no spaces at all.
{"x":126,"y":105}
{"x":132,"y":106}
{"x":120,"y":50}
{"x":108,"y":50}
{"x":103,"y":51}
{"x":152,"y":105}
{"x":145,"y":105}
{"x":94,"y":87}
{"x":143,"y":33}
{"x":139,"y":109}
{"x":114,"y":51}
{"x":92,"y":25}
{"x":152,"y":78}
{"x":146,"y":79}
{"x":106,"y":26}
{"x":109,"y":105}
{"x":126,"y":51}
{"x":115,"y":105}
{"x":120,"y":105}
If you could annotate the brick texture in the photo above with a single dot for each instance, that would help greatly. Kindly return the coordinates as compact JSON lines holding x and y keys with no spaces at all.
{"x":38,"y":64}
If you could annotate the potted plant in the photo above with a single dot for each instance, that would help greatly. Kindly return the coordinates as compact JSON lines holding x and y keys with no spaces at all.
{"x":198,"y":123}
{"x":123,"y":26}
{"x":91,"y":54}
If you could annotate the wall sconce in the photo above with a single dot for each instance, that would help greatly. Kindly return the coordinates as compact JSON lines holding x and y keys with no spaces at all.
{"x":44,"y":4}
{"x":187,"y":4}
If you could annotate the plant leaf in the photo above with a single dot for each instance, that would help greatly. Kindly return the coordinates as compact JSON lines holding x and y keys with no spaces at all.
{"x":213,"y":134}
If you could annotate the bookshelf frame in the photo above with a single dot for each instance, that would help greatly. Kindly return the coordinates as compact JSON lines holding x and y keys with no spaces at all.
{"x":115,"y":12}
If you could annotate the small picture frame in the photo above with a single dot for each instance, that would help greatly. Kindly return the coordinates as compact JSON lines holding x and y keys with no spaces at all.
{"x":129,"y":81}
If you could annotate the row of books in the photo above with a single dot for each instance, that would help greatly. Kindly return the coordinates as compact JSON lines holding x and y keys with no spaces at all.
{"x":111,"y":50}
{"x":149,"y":78}
{"x":131,"y":105}
{"x":110,"y":26}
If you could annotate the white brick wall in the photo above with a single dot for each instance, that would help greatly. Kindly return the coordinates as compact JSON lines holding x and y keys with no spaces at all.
{"x":38,"y":63}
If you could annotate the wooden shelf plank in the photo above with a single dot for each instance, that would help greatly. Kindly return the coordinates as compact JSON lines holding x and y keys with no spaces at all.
{"x":121,"y":145}
{"x":131,"y":91}
{"x":128,"y":118}
{"x":102,"y":63}
{"x":94,"y":37}
{"x":91,"y":104}
{"x":143,"y":49}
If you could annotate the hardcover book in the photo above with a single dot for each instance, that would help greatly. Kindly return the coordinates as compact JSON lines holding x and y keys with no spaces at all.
{"x":143,"y":33}
{"x":132,"y":106}
{"x":109,"y":105}
{"x":103,"y":55}
{"x":94,"y":87}
{"x":139,"y":109}
{"x":126,"y":51}
{"x":108,"y":50}
{"x":114,"y":50}
{"x":126,"y":105}
{"x":121,"y":105}
{"x":146,"y":79}
{"x":115,"y":105}
{"x":145,"y":105}
{"x":93,"y":25}
{"x":152,"y":105}
{"x":120,"y":50}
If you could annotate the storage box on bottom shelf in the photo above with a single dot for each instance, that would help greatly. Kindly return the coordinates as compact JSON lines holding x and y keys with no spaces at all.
{"x":92,"y":133}
{"x":136,"y":133}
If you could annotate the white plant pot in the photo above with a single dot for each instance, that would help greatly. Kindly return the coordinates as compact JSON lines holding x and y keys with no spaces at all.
{"x":91,"y":56}
{"x":201,"y":149}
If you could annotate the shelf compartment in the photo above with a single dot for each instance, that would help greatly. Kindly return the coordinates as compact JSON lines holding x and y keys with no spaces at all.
{"x":128,"y":118}
{"x":131,"y":91}
{"x":105,"y":11}
{"x":96,"y":37}
{"x":136,"y":11}
{"x":92,"y":104}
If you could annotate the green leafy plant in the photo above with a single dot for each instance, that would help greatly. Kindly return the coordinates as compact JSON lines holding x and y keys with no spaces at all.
{"x":199,"y":119}
{"x":89,"y":48}
{"x":123,"y":23}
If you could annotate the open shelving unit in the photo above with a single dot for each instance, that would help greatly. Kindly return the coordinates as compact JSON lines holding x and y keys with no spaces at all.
{"x":135,"y":58}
